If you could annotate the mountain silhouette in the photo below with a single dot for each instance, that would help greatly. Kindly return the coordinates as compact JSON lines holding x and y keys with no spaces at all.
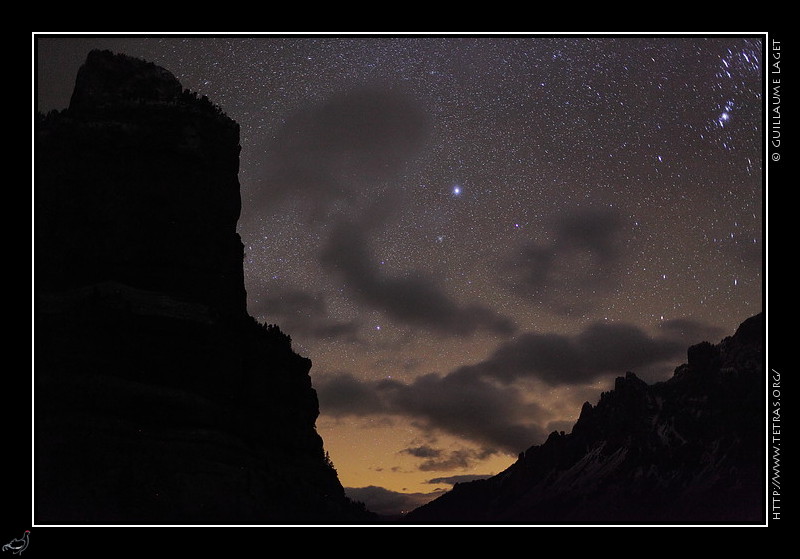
{"x":157,"y":398}
{"x":689,"y":450}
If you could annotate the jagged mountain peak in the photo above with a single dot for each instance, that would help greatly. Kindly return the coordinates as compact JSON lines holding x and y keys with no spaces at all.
{"x":686,"y":450}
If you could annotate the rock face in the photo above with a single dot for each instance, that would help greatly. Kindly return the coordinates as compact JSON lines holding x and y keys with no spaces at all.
{"x":686,"y":451}
{"x":158,"y":399}
{"x":137,"y":182}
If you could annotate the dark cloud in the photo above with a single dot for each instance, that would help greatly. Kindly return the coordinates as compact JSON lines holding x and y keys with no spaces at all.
{"x":385,"y":502}
{"x":454,"y":460}
{"x":301,"y":313}
{"x":436,"y":459}
{"x":600,"y":349}
{"x":370,"y":123}
{"x":594,"y":230}
{"x":452,"y":480}
{"x":534,"y":265}
{"x":464,"y":405}
{"x":332,"y":329}
{"x":475,"y":408}
{"x":326,"y":153}
{"x":423,"y":451}
{"x":481,"y":403}
{"x":412,"y":299}
{"x":579,"y":264}
{"x":343,"y":395}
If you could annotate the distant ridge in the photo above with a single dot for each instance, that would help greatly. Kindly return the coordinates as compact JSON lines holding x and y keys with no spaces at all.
{"x":685,"y":451}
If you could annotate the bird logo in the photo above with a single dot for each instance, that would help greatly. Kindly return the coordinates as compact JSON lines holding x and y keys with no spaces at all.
{"x":17,"y":546}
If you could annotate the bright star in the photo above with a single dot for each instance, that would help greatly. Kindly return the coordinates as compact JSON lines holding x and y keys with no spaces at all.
{"x":456,"y":190}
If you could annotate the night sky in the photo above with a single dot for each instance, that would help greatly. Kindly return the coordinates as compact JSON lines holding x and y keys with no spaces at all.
{"x":471,"y":236}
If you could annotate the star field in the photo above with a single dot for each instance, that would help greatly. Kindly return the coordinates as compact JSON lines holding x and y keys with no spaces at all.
{"x":471,"y":236}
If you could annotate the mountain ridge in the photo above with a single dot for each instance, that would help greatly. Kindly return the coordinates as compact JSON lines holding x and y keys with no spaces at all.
{"x":682,"y":451}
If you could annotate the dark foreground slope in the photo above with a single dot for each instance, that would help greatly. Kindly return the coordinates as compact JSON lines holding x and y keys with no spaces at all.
{"x":688,"y":450}
{"x":157,"y":398}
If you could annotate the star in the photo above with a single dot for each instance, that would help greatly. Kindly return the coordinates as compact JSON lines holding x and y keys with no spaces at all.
{"x":456,"y":190}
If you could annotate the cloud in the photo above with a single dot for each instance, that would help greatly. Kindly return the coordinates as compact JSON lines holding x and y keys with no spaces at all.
{"x":326,"y":152}
{"x":337,"y":156}
{"x":385,"y":502}
{"x":497,"y":417}
{"x":484,"y":402}
{"x":600,"y":349}
{"x":593,"y":230}
{"x":571,"y":270}
{"x":462,"y":459}
{"x":436,"y":459}
{"x":343,"y":395}
{"x":452,"y":480}
{"x":423,"y":451}
{"x":412,"y":299}
{"x":303,"y":314}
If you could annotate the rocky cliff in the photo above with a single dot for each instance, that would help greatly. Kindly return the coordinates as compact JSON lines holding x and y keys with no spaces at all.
{"x":689,"y":450}
{"x":157,"y":398}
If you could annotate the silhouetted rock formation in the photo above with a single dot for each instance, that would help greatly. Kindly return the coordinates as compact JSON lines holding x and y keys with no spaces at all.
{"x":158,"y":399}
{"x":689,"y":450}
{"x":137,"y":182}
